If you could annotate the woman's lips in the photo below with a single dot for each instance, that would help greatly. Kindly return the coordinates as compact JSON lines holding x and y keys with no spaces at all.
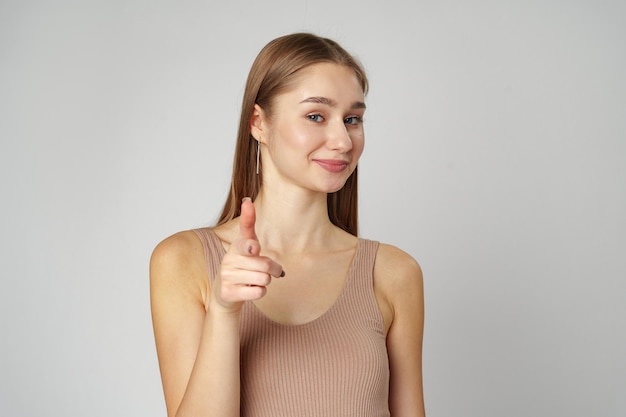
{"x":332,"y":165}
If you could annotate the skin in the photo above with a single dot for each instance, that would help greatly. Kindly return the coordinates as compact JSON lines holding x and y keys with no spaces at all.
{"x":310,"y":144}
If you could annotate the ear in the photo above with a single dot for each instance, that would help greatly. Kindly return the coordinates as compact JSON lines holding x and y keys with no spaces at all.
{"x":258,"y":123}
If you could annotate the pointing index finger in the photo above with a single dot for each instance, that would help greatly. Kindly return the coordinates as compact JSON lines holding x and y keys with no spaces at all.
{"x":247,"y":220}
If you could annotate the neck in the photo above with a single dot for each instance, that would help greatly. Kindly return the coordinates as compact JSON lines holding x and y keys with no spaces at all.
{"x":293,"y":223}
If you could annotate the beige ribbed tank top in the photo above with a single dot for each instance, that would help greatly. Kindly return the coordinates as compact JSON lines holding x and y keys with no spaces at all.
{"x":333,"y":366}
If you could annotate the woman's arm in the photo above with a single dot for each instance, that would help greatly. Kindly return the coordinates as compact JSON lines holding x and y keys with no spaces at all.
{"x":399,"y":278}
{"x":198,"y":350}
{"x":197,"y":330}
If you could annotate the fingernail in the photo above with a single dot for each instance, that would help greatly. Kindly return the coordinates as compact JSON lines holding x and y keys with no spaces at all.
{"x":282,"y":274}
{"x":246,"y":199}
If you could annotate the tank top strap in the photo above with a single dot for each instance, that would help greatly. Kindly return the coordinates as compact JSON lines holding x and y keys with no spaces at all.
{"x":213,"y":250}
{"x":367,"y":256}
{"x":362,"y":269}
{"x":360,"y":284}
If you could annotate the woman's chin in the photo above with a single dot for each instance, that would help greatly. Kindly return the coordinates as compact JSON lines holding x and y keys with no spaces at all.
{"x":333,"y":188}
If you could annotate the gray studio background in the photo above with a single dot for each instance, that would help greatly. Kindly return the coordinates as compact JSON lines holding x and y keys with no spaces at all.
{"x":495,"y":155}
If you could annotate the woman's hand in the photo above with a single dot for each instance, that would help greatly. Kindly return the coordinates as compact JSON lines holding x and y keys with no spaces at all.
{"x":244,"y":274}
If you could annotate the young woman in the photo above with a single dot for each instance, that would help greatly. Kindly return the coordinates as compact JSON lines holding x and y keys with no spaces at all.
{"x":280,"y":309}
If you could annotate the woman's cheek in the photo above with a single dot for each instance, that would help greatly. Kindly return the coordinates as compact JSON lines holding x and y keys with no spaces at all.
{"x":358,"y":144}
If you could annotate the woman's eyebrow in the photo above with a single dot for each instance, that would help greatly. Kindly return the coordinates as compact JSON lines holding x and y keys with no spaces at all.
{"x":331,"y":103}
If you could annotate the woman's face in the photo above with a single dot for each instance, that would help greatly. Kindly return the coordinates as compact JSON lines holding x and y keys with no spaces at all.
{"x":314,"y":137}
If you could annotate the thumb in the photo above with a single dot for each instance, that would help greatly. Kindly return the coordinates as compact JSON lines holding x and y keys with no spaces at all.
{"x":247,"y":220}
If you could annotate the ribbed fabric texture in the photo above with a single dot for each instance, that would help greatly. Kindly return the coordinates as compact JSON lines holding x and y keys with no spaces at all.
{"x":336,"y":365}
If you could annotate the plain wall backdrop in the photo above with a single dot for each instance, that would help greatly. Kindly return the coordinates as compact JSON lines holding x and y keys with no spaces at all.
{"x":495,"y":154}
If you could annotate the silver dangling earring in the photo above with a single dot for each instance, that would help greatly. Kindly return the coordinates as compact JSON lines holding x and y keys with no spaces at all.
{"x":258,"y":155}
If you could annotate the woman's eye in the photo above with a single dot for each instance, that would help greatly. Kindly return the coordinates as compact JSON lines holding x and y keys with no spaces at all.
{"x":315,"y":117}
{"x":352,"y":120}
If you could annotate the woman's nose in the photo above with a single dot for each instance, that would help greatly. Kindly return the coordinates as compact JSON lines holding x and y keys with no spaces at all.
{"x":338,"y":137}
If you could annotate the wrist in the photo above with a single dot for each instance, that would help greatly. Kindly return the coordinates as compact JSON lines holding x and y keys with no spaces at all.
{"x":217,"y":310}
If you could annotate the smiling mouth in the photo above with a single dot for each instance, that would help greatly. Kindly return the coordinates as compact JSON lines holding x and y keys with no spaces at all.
{"x":332,"y":165}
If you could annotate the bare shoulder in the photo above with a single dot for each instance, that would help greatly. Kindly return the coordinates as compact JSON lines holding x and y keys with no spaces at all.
{"x":396,"y":268}
{"x":178,"y":261}
{"x":398,"y":282}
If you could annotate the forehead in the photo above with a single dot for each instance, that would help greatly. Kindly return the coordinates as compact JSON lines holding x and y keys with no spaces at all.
{"x":335,"y":81}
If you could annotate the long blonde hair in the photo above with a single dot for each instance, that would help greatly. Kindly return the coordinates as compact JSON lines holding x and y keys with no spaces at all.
{"x":272,"y":73}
